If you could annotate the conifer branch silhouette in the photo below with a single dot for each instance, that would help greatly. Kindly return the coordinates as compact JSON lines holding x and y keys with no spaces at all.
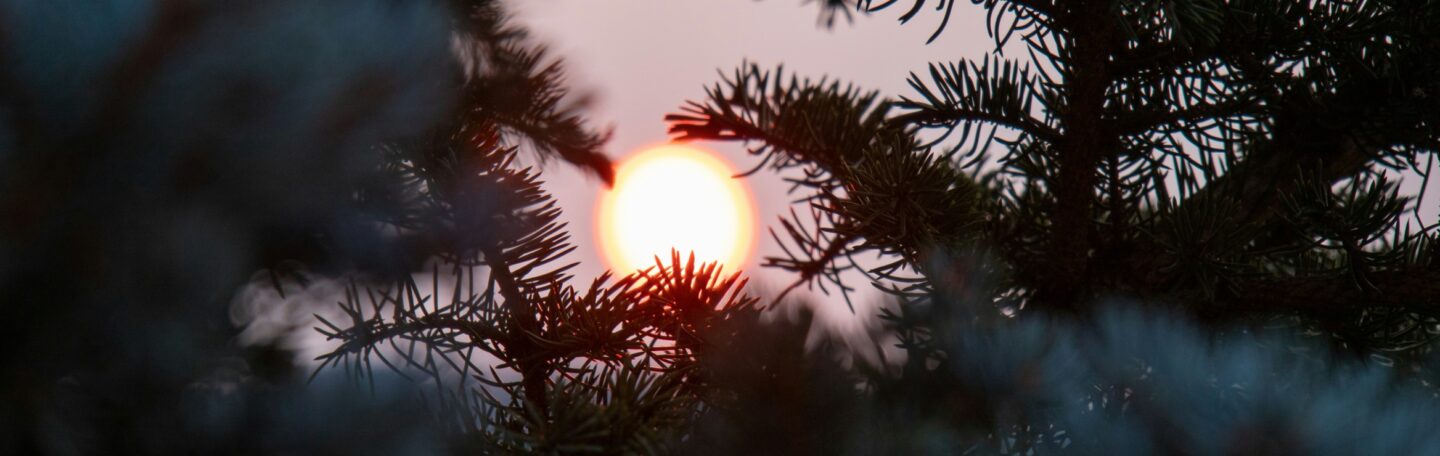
{"x":517,"y":358}
{"x":1236,"y":162}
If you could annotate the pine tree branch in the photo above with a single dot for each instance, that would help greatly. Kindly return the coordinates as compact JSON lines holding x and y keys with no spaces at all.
{"x":946,"y":116}
{"x":717,"y":126}
{"x":1415,"y":290}
{"x":967,"y":92}
{"x":1140,"y":121}
{"x":511,"y":81}
{"x":1329,"y":137}
{"x":811,"y":268}
{"x":523,"y":350}
{"x":1312,"y":134}
{"x":374,"y":336}
{"x":1033,"y":10}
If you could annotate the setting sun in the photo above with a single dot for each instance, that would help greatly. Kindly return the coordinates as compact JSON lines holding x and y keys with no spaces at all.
{"x":675,"y":196}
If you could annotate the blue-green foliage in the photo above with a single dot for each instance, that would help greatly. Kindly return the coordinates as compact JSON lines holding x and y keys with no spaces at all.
{"x":1135,"y":382}
{"x":1128,"y":381}
{"x":153,"y":154}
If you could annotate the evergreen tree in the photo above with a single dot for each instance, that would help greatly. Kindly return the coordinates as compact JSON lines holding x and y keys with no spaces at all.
{"x":1231,"y":162}
{"x":477,"y":304}
{"x":1175,"y":227}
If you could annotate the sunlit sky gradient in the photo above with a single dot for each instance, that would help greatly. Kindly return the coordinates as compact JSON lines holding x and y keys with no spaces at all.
{"x":643,"y":59}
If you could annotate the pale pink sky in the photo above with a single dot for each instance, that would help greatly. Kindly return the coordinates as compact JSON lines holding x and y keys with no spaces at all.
{"x":644,"y":58}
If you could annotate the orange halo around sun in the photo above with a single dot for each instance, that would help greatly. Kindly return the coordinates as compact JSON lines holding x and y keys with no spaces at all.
{"x":675,"y":196}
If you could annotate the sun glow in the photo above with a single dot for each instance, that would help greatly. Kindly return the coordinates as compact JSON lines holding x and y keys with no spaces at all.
{"x":675,"y":196}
